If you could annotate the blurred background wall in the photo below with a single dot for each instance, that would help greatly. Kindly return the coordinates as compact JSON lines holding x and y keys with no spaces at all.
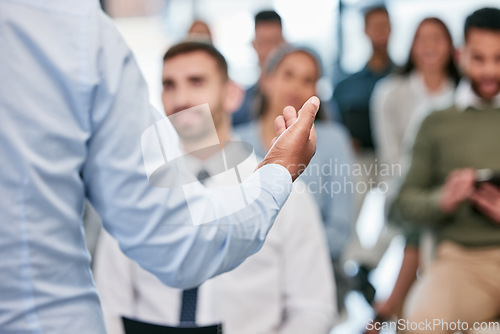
{"x":333,"y":27}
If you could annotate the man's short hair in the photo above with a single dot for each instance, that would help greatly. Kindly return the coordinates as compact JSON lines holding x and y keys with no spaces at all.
{"x":374,"y":9}
{"x":186,"y":47}
{"x":485,"y":18}
{"x":267,"y":16}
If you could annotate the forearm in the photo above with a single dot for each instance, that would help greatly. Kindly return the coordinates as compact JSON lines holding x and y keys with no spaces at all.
{"x":165,"y":240}
{"x":406,"y":278}
{"x":420,"y":206}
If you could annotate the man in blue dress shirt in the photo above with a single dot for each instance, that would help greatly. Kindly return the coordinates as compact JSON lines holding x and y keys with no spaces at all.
{"x":73,"y":107}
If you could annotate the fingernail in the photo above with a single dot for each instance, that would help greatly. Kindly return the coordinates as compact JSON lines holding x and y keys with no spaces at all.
{"x":314,"y":100}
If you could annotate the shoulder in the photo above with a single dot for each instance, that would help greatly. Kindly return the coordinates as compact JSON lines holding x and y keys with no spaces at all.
{"x":330,"y":133}
{"x":333,"y":144}
{"x":438,"y":120}
{"x":350,"y":79}
{"x":393,"y":84}
{"x":393,"y":81}
{"x":246,"y":131}
{"x":330,"y":128}
{"x":352,"y":82}
{"x":442,"y":115}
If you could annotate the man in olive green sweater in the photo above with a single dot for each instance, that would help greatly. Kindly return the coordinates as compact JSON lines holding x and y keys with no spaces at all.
{"x":462,"y":286}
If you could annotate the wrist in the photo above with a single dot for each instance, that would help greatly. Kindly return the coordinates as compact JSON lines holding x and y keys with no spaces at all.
{"x":447,"y":208}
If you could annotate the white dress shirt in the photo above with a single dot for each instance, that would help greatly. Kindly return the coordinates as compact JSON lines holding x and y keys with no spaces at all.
{"x":287,"y":287}
{"x":73,"y":107}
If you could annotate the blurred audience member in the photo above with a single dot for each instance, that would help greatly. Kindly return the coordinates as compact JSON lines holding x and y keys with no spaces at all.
{"x":399,"y":102}
{"x":287,"y":287}
{"x":268,"y":36}
{"x":353,"y":93}
{"x":440,"y":190}
{"x":200,"y":30}
{"x":353,"y":98}
{"x":289,"y":78}
{"x":426,"y":83}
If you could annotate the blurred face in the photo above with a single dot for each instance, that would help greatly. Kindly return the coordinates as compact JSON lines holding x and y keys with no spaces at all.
{"x":292,"y":82}
{"x":481,"y":61}
{"x":431,"y":48}
{"x":189,"y":80}
{"x":268,"y":36}
{"x":200,"y":30}
{"x":378,"y":29}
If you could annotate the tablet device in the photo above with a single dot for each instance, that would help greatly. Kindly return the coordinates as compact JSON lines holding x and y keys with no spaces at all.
{"x":487,"y":175}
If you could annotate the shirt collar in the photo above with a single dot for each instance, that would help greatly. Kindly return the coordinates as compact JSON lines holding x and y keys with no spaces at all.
{"x":466,"y":98}
{"x":417,"y":84}
{"x":234,"y":152}
{"x":388,"y":69}
{"x":446,"y":91}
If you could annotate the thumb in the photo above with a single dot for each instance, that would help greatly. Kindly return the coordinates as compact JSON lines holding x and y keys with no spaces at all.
{"x":307,"y":114}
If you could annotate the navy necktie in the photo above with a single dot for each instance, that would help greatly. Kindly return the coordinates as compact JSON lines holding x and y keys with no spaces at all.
{"x":188,"y":308}
{"x":202,"y":176}
{"x":190,"y":297}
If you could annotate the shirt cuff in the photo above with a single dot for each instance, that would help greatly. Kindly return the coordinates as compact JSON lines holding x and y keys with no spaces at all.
{"x":434,"y":199}
{"x":277,"y":180}
{"x":434,"y":208}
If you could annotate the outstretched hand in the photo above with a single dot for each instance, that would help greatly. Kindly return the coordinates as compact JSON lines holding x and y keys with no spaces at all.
{"x":295,"y":143}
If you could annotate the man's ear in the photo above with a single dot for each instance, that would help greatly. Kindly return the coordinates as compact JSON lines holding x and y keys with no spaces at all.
{"x":233,"y":97}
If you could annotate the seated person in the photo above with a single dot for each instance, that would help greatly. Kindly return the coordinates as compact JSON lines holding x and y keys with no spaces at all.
{"x":290,"y":75}
{"x":268,"y":36}
{"x":286,"y":287}
{"x":461,"y":284}
{"x":400,"y":101}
